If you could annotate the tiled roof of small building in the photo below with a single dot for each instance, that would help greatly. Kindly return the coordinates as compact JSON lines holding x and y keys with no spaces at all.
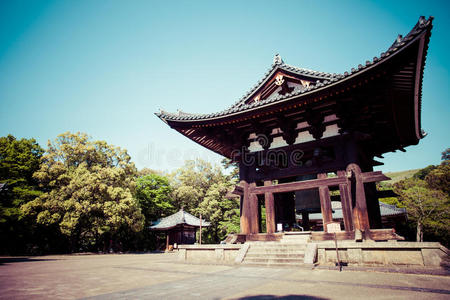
{"x":386,"y":210}
{"x":323,"y":79}
{"x":181,"y":217}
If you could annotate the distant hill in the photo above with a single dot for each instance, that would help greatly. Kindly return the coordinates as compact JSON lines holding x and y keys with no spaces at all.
{"x":397,"y":176}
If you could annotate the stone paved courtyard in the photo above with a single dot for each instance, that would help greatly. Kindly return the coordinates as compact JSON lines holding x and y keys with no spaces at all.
{"x":160,"y":276}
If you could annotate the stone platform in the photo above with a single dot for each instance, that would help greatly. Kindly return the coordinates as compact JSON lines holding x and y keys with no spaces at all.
{"x":298,"y":249}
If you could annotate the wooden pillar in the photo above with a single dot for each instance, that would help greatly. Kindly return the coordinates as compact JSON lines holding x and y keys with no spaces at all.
{"x":360,"y":216}
{"x":253,"y":214}
{"x":346,"y":202}
{"x":245,"y":209}
{"x":270,"y":209}
{"x":325,"y":203}
{"x":249,"y":210}
{"x":167,"y":240}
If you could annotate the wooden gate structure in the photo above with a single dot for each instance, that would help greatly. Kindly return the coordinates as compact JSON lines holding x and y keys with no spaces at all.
{"x":299,"y":129}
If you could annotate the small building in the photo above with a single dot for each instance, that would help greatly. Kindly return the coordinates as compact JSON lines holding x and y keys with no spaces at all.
{"x":180,"y":227}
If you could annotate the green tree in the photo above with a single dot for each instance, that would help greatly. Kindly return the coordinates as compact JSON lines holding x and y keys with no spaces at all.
{"x":201,"y":189}
{"x":217,"y":209}
{"x":446,"y":155}
{"x":422,"y":173}
{"x":19,"y":159}
{"x":426,"y":207}
{"x":153,"y":193}
{"x":229,"y":164}
{"x":439,"y":177}
{"x":88,"y":191}
{"x":192,"y":181}
{"x":386,"y":186}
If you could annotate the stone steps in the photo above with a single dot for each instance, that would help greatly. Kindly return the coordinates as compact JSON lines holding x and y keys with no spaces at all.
{"x":275,"y":255}
{"x":273,"y":260}
{"x":288,"y":252}
{"x":281,"y":248}
{"x":277,"y":265}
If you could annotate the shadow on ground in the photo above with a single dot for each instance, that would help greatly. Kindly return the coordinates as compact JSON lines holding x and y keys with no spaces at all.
{"x":288,"y":297}
{"x":8,"y":260}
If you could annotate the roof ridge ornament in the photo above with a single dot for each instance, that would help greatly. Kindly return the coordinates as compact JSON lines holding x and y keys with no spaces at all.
{"x":277,"y":60}
{"x":422,"y":20}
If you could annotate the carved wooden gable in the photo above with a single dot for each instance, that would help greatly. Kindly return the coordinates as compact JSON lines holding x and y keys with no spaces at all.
{"x":280,"y":83}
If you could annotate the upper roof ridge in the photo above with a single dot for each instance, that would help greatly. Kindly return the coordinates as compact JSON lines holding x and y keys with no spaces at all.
{"x":322,"y":79}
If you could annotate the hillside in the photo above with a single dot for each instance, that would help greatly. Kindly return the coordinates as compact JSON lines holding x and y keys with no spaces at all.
{"x":397,"y":176}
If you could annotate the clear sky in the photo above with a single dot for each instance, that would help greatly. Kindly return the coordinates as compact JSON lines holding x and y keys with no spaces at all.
{"x":105,"y":67}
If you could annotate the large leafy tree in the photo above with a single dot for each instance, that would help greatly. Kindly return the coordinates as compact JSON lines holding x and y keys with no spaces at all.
{"x":88,"y":190}
{"x":201,"y":188}
{"x":19,"y":159}
{"x":192,"y":181}
{"x":153,"y":193}
{"x":219,"y":210}
{"x":425,"y":206}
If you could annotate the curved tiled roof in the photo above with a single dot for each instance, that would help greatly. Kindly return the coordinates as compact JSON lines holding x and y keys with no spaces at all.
{"x":181,"y":217}
{"x":386,"y":210}
{"x":324,"y":80}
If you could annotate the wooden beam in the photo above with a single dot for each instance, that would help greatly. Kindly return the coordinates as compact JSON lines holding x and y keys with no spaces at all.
{"x":316,"y":183}
{"x":270,"y":209}
{"x":325,"y":203}
{"x":374,"y":176}
{"x":297,"y":186}
{"x":238,"y":190}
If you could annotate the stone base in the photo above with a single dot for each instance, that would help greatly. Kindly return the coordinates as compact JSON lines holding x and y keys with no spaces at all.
{"x":391,"y":253}
{"x":209,"y":253}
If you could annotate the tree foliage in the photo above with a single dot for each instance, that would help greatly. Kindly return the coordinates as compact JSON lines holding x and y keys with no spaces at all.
{"x":422,"y":173}
{"x":439,"y":177}
{"x":153,"y":193}
{"x":229,"y":164}
{"x":200,"y":188}
{"x":19,"y":159}
{"x":427,"y":207}
{"x":88,"y":190}
{"x":426,"y":197}
{"x":219,"y":210}
{"x":192,"y":181}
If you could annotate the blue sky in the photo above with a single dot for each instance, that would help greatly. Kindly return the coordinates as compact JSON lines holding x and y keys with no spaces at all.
{"x":105,"y":67}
